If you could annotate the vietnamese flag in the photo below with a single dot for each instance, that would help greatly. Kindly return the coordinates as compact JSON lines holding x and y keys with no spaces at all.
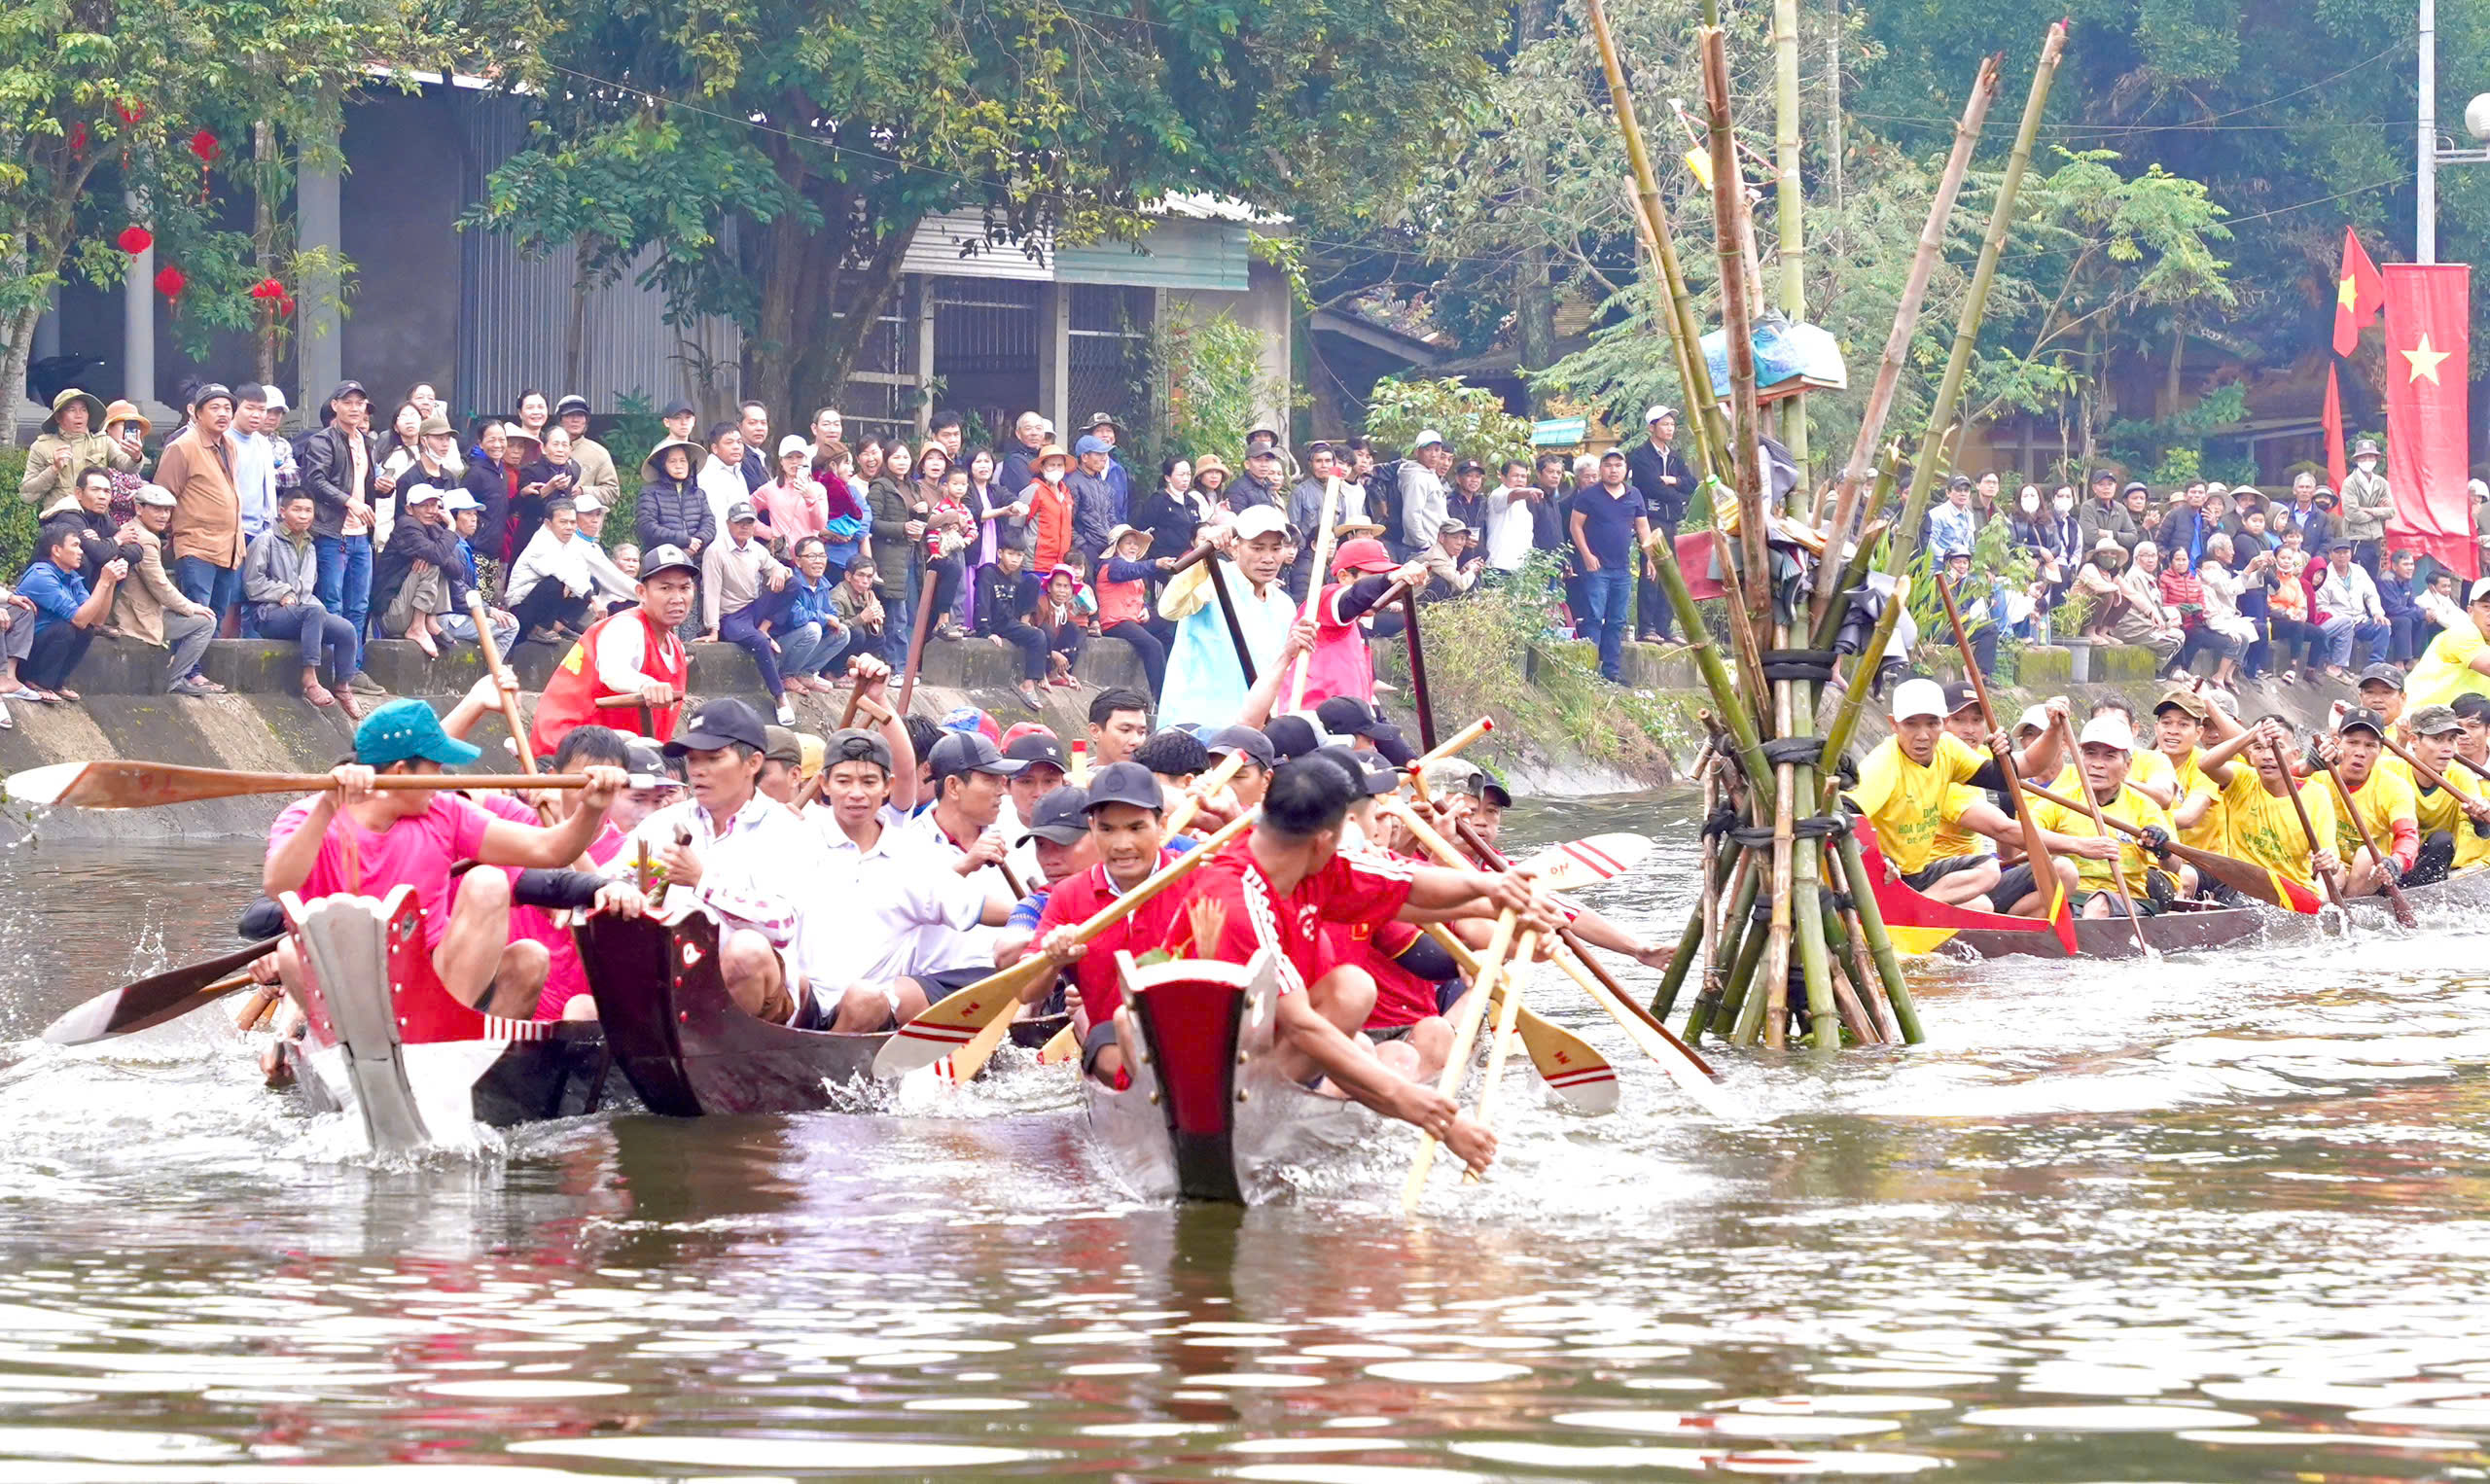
{"x":2427,"y":339}
{"x":2332,"y":423}
{"x":2359,"y":294}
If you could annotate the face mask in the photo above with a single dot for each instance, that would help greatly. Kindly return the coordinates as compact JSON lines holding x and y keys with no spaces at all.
{"x":2367,"y":466}
{"x":2031,"y":503}
{"x":2064,"y":504}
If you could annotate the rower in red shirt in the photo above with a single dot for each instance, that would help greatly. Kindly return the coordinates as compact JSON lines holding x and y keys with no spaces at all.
{"x":1124,"y":809}
{"x":635,"y":653}
{"x":1276,"y":887}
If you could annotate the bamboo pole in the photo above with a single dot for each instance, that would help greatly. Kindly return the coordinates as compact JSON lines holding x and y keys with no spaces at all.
{"x":1889,"y":370}
{"x":1706,"y":429}
{"x":1950,"y":391}
{"x":1737,"y":326}
{"x":1871,"y":918}
{"x":1314,"y":581}
{"x":1828,"y":614}
{"x":1738,"y":898}
{"x":1790,"y":206}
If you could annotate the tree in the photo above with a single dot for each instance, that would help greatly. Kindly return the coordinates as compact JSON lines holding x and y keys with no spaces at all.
{"x":117,"y":114}
{"x":777,"y":157}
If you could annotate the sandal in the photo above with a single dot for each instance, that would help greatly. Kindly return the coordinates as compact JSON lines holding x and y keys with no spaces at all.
{"x":21,"y":693}
{"x":70,"y":696}
{"x":318,"y":694}
{"x":349,"y":705}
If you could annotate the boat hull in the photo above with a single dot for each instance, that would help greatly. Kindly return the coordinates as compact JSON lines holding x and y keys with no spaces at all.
{"x":1208,"y":1115}
{"x":1918,"y":925}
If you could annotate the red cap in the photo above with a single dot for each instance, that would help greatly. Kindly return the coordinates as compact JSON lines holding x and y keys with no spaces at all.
{"x":1364,"y":554}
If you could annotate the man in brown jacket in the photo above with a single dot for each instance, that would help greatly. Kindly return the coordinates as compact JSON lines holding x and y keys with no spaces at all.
{"x":206,"y":529}
{"x":150,"y":608}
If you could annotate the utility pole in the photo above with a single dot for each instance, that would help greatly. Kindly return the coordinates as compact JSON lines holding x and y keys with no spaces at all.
{"x":2425,"y":228}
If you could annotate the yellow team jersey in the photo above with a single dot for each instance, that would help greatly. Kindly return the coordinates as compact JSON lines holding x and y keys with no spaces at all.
{"x":2439,"y":809}
{"x":1908,"y":805}
{"x":2150,"y":769}
{"x":2132,"y":806}
{"x":2387,"y":796}
{"x":2265,"y":829}
{"x":1951,"y":838}
{"x":2445,"y":670}
{"x":2212,"y":829}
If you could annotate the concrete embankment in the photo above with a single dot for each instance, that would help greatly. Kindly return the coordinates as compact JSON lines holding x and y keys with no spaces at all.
{"x":265,"y":727}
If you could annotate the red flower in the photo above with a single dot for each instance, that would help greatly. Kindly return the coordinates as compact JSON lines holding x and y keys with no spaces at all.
{"x":135,"y":239}
{"x":77,"y":139}
{"x":203,"y":145}
{"x":285,"y":305}
{"x":267,"y":288}
{"x":169,"y":281}
{"x":130,"y":113}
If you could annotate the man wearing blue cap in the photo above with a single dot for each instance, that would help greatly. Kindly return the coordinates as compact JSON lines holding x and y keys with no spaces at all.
{"x":352,"y":837}
{"x":1094,"y":498}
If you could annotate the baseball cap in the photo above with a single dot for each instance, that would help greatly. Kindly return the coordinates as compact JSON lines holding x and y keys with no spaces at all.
{"x":208,"y":392}
{"x":646,"y":763}
{"x":971,"y":752}
{"x":854,"y":744}
{"x":794,"y":442}
{"x":1259,"y":520}
{"x":403,"y":730}
{"x":1037,"y":747}
{"x":658,"y":559}
{"x":2108,"y":729}
{"x":1059,"y":817}
{"x":1372,"y":783}
{"x":721,"y":722}
{"x":1019,"y":730}
{"x":1291,"y":736}
{"x":2382,"y":675}
{"x":274,"y":401}
{"x":1258,"y":452}
{"x":344,"y":389}
{"x":1256,"y":746}
{"x":1427,"y":438}
{"x":1345,"y":716}
{"x":426,"y":494}
{"x":1454,"y":775}
{"x":460,"y":500}
{"x":159,"y":495}
{"x":1099,"y":421}
{"x":2036,"y":718}
{"x":1453,"y":528}
{"x":1364,"y":554}
{"x":2183,"y":699}
{"x":1125,"y":783}
{"x":1089,"y":443}
{"x":739,"y":513}
{"x":1918,"y":698}
{"x":679,"y":408}
{"x":1959,"y":694}
{"x":1656,"y":412}
{"x":573,"y":403}
{"x":2435,"y":721}
{"x":2363,"y":720}
{"x":783,"y":746}
{"x":585,"y":501}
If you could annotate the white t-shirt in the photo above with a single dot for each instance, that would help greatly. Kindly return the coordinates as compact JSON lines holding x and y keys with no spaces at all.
{"x":882,"y":909}
{"x":752,"y":866}
{"x":1508,"y":529}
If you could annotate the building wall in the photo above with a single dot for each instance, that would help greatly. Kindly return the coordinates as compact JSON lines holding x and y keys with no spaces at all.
{"x":406,"y":180}
{"x":1266,"y":308}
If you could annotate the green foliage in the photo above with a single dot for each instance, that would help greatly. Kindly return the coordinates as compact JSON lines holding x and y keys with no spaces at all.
{"x":778,"y":157}
{"x":17,"y":520}
{"x":1212,"y":370}
{"x":1472,"y":418}
{"x":637,"y":430}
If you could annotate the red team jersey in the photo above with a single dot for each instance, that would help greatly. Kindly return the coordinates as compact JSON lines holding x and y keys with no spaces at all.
{"x":1075,"y":900}
{"x":1352,"y":891}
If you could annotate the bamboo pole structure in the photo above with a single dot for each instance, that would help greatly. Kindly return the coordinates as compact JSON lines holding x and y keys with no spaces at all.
{"x":1889,"y":370}
{"x":1790,"y":206}
{"x":1737,"y":322}
{"x":1949,"y":390}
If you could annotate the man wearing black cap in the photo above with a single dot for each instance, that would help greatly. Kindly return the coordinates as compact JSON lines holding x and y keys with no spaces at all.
{"x":1271,"y":891}
{"x":1345,"y":716}
{"x":635,"y":653}
{"x":1252,"y":775}
{"x":1057,"y":846}
{"x":341,"y":469}
{"x":680,"y":418}
{"x":2388,"y":806}
{"x":1291,"y":736}
{"x":1123,"y":816}
{"x":737,"y":853}
{"x":598,"y":473}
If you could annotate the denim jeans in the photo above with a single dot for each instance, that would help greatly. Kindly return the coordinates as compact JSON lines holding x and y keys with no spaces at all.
{"x":899,"y":626}
{"x":1611,"y":594}
{"x":2343,"y":630}
{"x":317,"y":630}
{"x":345,"y":583}
{"x":742,"y":629}
{"x":208,"y":584}
{"x":808,"y":649}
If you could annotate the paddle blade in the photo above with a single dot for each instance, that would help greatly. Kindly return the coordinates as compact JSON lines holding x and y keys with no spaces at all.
{"x":135,"y":784}
{"x":947,"y":1025}
{"x":1572,"y":867}
{"x":2241,"y":876}
{"x":1568,"y":1064}
{"x":43,"y":786}
{"x":1063,"y":1048}
{"x":154,"y":1000}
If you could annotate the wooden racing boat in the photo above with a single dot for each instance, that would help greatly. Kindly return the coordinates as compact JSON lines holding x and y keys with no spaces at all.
{"x":1208,"y":1116}
{"x":689,"y":1050}
{"x":419,"y":1070}
{"x":1919,"y":925}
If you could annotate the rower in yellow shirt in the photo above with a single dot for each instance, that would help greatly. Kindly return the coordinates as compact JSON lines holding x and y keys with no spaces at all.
{"x":2385,"y":802}
{"x":2454,"y":820}
{"x":2107,"y":749}
{"x":2178,"y":722}
{"x":2253,"y":766}
{"x":1923,"y":778}
{"x":2457,"y":663}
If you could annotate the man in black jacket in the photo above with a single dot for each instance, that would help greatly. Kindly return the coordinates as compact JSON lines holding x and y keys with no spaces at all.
{"x":1657,"y":470}
{"x":342,"y":471}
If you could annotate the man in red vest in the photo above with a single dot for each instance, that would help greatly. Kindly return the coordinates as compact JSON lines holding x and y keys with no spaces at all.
{"x":633,"y":652}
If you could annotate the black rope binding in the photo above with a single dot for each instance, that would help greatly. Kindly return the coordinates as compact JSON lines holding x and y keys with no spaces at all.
{"x":1820,"y":827}
{"x":1814,"y":666}
{"x":1798,"y":751}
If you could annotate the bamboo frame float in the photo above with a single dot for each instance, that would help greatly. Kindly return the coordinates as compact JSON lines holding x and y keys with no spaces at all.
{"x":1737,"y":323}
{"x":1789,"y":208}
{"x":1889,"y":370}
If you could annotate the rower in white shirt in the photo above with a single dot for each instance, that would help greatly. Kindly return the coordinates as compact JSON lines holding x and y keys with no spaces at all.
{"x":737,"y":853}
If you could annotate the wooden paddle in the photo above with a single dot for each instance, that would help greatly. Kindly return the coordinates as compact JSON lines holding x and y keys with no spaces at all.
{"x":2403,"y":909}
{"x":2422,"y":770}
{"x":155,"y":998}
{"x":1573,"y":864}
{"x":506,"y":682}
{"x":1235,"y":628}
{"x":1457,"y":742}
{"x":132,"y":784}
{"x":917,"y":639}
{"x":951,"y":1022}
{"x":2118,"y":855}
{"x":1500,"y":1044}
{"x":1315,"y":575}
{"x":1570,"y":1066}
{"x":2244,"y":877}
{"x":2045,"y":874}
{"x":2308,"y":831}
{"x":1465,"y":1036}
{"x":1418,"y":694}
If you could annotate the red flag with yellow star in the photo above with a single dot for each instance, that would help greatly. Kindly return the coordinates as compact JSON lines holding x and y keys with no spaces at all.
{"x":2427,"y":314}
{"x":2359,"y":294}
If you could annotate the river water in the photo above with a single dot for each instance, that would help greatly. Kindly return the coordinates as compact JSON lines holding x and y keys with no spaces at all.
{"x":2222,"y":1218}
